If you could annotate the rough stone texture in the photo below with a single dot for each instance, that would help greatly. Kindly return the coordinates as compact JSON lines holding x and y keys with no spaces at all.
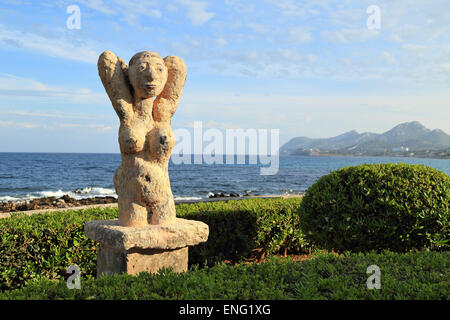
{"x":178,"y":234}
{"x":149,"y":248}
{"x":147,"y":236}
{"x":145,"y":135}
{"x":112,"y":260}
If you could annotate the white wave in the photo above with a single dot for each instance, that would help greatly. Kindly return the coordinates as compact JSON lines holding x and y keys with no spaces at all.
{"x":94,"y":191}
{"x":45,"y":194}
{"x":186,"y":198}
{"x":19,"y":198}
{"x":89,"y":192}
{"x":8,"y":198}
{"x":84,"y":193}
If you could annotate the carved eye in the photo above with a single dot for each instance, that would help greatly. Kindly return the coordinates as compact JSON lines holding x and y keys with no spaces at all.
{"x":141,"y":67}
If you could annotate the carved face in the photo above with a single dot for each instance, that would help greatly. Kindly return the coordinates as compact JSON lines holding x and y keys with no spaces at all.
{"x":148,"y":74}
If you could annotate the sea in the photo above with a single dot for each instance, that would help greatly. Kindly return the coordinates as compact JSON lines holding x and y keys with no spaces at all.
{"x":26,"y":176}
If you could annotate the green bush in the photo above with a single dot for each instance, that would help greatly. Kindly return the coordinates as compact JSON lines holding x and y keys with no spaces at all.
{"x":422,"y":275}
{"x":236,"y":228}
{"x":378,"y":206}
{"x":46,"y":245}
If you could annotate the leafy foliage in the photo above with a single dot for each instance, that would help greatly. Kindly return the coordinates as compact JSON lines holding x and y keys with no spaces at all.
{"x":46,"y":245}
{"x":378,"y":206}
{"x":420,"y":275}
{"x":238,"y":227}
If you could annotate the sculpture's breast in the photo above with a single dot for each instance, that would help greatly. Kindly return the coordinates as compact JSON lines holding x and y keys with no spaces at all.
{"x":132,"y":135}
{"x":160,"y":141}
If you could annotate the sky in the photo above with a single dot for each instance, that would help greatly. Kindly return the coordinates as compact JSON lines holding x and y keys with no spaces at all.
{"x":308,"y":68}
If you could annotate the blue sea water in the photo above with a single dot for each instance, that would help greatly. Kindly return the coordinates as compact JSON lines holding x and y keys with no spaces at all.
{"x":34,"y":175}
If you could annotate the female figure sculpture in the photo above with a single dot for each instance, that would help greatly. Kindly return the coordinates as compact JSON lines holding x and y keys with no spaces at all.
{"x":145,"y":95}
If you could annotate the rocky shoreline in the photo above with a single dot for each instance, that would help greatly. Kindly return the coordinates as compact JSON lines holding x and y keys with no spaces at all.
{"x":68,"y":202}
{"x":52,"y":203}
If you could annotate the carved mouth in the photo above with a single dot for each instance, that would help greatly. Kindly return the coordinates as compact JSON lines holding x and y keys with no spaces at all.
{"x":150,"y":86}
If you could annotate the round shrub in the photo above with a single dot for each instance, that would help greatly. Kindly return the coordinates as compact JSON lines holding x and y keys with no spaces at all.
{"x":378,"y":206}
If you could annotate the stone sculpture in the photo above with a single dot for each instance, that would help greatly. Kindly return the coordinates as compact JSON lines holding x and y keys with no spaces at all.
{"x":145,"y":135}
{"x":147,"y":236}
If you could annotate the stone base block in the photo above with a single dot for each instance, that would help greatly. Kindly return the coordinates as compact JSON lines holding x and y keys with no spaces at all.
{"x":110,"y":260}
{"x":150,"y":248}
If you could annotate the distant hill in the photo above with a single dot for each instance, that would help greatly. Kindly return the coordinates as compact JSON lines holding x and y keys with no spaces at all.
{"x":406,"y":139}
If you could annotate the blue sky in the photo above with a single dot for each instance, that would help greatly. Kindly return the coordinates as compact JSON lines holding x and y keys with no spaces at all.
{"x":308,"y":68}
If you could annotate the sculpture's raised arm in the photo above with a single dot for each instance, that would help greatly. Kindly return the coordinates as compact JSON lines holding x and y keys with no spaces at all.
{"x":166,"y":103}
{"x":112,"y":71}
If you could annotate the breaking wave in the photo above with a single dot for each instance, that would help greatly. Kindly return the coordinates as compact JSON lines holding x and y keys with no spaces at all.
{"x":84,"y":193}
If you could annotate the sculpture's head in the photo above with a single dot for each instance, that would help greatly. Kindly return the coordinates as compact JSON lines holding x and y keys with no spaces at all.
{"x":148,"y":74}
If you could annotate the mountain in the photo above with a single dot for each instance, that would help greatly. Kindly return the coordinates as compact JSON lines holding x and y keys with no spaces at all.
{"x":404,"y":132}
{"x":342,"y":141}
{"x":406,"y":139}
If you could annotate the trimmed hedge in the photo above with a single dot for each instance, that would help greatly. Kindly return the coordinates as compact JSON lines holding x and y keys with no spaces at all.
{"x":378,"y":206}
{"x":46,"y":245}
{"x":422,"y":275}
{"x":236,"y":228}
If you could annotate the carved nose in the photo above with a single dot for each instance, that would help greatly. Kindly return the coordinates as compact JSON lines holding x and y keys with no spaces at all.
{"x":151,"y":73}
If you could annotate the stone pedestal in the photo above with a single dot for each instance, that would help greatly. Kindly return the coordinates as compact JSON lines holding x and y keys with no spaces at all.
{"x":149,"y":248}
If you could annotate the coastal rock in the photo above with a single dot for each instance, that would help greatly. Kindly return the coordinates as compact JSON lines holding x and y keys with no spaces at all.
{"x":52,"y":203}
{"x":223,"y":195}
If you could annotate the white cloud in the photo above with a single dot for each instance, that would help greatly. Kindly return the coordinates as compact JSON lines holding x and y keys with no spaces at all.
{"x":404,"y":33}
{"x":349,"y":17}
{"x":300,"y":35}
{"x":290,"y":7}
{"x":196,"y":11}
{"x":415,"y":47}
{"x":310,"y":115}
{"x":34,"y":114}
{"x":10,"y":82}
{"x":350,"y":35}
{"x":389,"y":58}
{"x":60,"y":47}
{"x":69,"y":125}
{"x":128,"y":11}
{"x":311,"y":58}
{"x":97,"y":5}
{"x":258,"y":27}
{"x":19,"y":87}
{"x":215,"y":125}
{"x":221,"y":42}
{"x":142,"y":7}
{"x":446,"y":66}
{"x":101,"y":128}
{"x":15,"y":124}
